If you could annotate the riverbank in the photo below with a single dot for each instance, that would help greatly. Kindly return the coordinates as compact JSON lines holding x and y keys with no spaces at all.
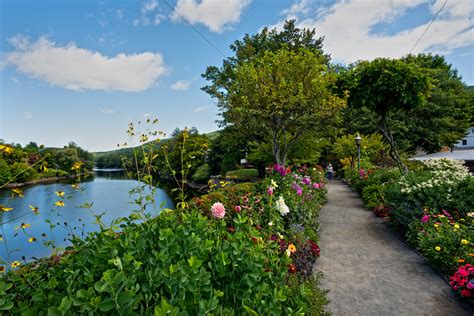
{"x":43,"y":181}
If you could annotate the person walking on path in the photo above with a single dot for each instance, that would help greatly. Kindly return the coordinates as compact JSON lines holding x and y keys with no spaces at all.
{"x":329,"y":171}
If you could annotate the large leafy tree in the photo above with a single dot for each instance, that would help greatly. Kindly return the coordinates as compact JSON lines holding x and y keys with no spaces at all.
{"x":281,"y":96}
{"x":441,"y":120}
{"x":389,"y":88}
{"x":268,"y":99}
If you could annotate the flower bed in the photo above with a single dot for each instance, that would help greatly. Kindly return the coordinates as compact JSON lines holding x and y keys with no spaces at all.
{"x":241,"y":249}
{"x":433,"y":205}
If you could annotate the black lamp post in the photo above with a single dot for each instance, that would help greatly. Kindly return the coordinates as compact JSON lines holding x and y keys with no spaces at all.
{"x":358,"y":140}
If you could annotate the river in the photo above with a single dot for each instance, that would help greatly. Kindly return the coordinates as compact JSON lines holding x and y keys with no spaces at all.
{"x":107,"y":191}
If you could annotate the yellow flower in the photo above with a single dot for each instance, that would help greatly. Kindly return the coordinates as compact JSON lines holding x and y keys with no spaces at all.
{"x":291,"y":248}
{"x":5,"y":209}
{"x":31,"y":239}
{"x":34,"y":209}
{"x":59,"y":193}
{"x":6,"y":149}
{"x":15,"y":264}
{"x":77,"y":165}
{"x":18,"y":192}
{"x":436,"y":225}
{"x":59,"y":203}
{"x":75,"y":186}
{"x":2,"y":269}
{"x":456,"y":226}
{"x":23,"y":226}
{"x":464,"y":242}
{"x":438,"y":248}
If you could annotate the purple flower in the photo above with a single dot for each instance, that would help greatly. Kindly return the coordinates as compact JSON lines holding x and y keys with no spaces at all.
{"x":299,"y":192}
{"x":447,"y":214}
{"x":470,"y":285}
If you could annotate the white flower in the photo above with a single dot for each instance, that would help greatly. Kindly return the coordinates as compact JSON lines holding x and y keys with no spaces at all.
{"x":280,"y":236}
{"x":281,"y":206}
{"x":288,"y":252}
{"x":270,"y":224}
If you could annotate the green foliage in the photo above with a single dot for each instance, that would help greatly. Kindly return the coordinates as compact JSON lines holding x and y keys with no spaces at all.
{"x":292,"y":98}
{"x":372,"y":148}
{"x":242,"y":174}
{"x":5,"y":174}
{"x":24,"y":172}
{"x":202,"y":174}
{"x":179,"y":262}
{"x":227,"y":149}
{"x":387,"y":87}
{"x":447,"y":234}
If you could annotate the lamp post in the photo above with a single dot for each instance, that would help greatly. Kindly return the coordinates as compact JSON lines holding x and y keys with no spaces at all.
{"x":358,"y":140}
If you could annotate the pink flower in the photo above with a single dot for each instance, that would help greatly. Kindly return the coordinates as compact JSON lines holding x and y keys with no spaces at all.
{"x":238,"y":209}
{"x":316,"y":185}
{"x":299,"y":192}
{"x":425,"y":218}
{"x":470,"y":285}
{"x":270,"y":191}
{"x":218,"y":210}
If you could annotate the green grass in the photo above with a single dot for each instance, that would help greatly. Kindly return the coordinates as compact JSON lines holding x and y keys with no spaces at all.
{"x":242,"y":173}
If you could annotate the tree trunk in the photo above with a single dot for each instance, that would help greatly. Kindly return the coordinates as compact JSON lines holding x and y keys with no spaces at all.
{"x":387,"y":133}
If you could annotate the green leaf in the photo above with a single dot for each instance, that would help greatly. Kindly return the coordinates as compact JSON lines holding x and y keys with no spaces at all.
{"x":106,"y":305}
{"x":194,"y":262}
{"x":65,"y":304}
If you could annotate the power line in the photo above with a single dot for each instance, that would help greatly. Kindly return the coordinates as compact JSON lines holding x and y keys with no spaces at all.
{"x":195,"y":29}
{"x":428,"y":26}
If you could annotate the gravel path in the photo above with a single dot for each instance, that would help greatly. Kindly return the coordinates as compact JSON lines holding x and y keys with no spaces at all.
{"x":368,"y":270}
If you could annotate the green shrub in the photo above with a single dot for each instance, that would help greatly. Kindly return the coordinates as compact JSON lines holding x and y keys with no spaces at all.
{"x":5,"y":174}
{"x":242,"y":174}
{"x":202,"y":174}
{"x":172,"y":263}
{"x":24,"y":172}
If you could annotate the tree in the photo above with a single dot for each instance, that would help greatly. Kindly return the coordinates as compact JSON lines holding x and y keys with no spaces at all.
{"x":249,"y":49}
{"x":389,"y":88}
{"x":440,"y":121}
{"x":281,"y":96}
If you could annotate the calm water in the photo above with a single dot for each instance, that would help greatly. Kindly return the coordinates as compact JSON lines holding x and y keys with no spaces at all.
{"x":108,"y":191}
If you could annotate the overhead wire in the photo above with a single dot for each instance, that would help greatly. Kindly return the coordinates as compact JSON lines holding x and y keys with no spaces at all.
{"x":428,"y":26}
{"x":195,"y":29}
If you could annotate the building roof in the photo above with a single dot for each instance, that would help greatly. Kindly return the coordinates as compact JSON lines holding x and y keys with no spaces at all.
{"x":466,"y":155}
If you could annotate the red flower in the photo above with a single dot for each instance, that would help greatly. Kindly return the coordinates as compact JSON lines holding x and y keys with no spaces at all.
{"x":292,"y":268}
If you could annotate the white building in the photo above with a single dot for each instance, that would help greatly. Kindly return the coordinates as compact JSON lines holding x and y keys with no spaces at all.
{"x":468,"y":141}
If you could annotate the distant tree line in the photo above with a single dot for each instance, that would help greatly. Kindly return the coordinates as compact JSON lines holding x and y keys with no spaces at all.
{"x":33,"y":162}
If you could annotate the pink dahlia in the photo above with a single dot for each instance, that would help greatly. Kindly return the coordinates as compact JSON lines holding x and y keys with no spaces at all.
{"x":218,"y":210}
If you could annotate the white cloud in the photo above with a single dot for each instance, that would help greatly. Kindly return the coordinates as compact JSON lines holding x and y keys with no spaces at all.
{"x":76,"y":68}
{"x":107,"y":111}
{"x":217,"y":15}
{"x":149,"y":6}
{"x":348,"y":27}
{"x":14,"y":79}
{"x":27,"y":115}
{"x":119,"y":14}
{"x":181,"y":85}
{"x":202,"y":108}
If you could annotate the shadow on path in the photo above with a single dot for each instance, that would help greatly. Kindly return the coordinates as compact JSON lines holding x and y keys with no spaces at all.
{"x":369,"y":270}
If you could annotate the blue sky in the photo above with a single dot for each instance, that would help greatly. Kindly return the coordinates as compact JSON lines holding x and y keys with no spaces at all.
{"x":81,"y":70}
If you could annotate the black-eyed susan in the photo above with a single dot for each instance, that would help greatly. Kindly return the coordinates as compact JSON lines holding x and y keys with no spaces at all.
{"x":34,"y":209}
{"x":2,"y":269}
{"x":77,"y":165}
{"x":31,"y":239}
{"x":6,"y":149}
{"x":5,"y":209}
{"x":59,"y":193}
{"x":17,"y":192}
{"x":23,"y":226}
{"x":59,"y":203}
{"x":291,"y":248}
{"x":15,"y":264}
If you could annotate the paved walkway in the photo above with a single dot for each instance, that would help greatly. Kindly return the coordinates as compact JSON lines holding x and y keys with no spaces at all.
{"x":368,"y":270}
